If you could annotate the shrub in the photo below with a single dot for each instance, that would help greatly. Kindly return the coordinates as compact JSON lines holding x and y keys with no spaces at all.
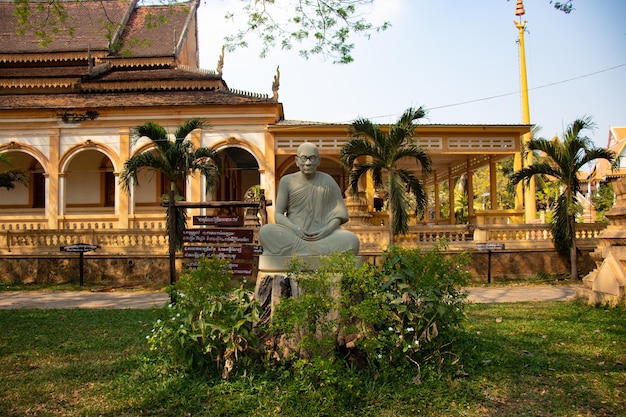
{"x":208,"y":326}
{"x":388,"y":317}
{"x":392,"y":316}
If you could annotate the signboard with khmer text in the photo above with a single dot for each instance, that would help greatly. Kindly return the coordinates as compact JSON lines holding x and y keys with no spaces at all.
{"x":223,"y":238}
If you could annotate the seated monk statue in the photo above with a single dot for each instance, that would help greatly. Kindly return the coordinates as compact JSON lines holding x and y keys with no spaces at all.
{"x":309,"y":211}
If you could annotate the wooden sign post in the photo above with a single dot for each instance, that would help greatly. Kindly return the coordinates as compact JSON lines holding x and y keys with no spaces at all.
{"x":220,"y":220}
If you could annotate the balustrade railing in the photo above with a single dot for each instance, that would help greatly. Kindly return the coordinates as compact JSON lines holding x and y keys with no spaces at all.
{"x":121,"y":241}
{"x":89,"y":222}
{"x":156,"y":221}
{"x":36,"y":220}
{"x":374,"y":239}
{"x":586,"y":233}
{"x":429,"y":235}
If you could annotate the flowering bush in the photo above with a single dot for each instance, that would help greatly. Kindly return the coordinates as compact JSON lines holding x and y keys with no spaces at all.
{"x":208,"y":326}
{"x":409,"y":310}
{"x":397,"y":314}
{"x":390,"y":316}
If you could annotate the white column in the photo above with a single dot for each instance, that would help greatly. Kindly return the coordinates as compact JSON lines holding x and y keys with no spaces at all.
{"x":61,"y":194}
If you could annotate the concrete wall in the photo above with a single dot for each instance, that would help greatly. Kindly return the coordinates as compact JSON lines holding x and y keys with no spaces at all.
{"x":97,"y":270}
{"x":514,"y":265}
{"x":153,"y":271}
{"x":509,"y":265}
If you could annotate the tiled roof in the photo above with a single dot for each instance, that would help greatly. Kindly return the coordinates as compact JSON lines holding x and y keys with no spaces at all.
{"x":43,"y":72}
{"x":157,"y":75}
{"x":86,"y":27}
{"x":617,"y":144}
{"x":117,"y":100}
{"x":117,"y":79}
{"x":155,"y":30}
{"x":292,"y":122}
{"x":617,"y":134}
{"x":146,"y":31}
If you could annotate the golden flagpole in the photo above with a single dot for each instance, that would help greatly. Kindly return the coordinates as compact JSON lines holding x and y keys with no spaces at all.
{"x":530,"y":210}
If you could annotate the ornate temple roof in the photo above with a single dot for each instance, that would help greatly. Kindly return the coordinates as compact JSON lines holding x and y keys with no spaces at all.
{"x":105,"y":50}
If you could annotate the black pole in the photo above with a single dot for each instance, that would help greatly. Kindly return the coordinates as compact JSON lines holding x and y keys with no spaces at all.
{"x":172,"y":237}
{"x":80,"y":267}
{"x":489,"y":266}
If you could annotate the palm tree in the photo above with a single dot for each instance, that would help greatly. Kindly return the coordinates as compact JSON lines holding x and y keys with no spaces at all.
{"x":175,"y":159}
{"x":383,"y":152}
{"x":8,"y":179}
{"x":563,"y":159}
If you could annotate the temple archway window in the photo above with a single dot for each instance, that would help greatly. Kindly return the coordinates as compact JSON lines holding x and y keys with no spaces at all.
{"x":21,"y":197}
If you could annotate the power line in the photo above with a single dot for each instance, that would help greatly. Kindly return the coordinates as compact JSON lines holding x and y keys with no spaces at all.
{"x":530,"y":89}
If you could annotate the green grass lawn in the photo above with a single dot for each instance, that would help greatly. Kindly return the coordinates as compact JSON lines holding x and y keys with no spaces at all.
{"x":527,"y":359}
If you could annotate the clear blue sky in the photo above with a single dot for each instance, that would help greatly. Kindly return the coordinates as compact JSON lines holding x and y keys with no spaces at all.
{"x":440,"y":54}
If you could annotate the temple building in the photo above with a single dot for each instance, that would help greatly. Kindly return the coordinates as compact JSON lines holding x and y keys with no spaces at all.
{"x":68,"y":107}
{"x":68,"y":104}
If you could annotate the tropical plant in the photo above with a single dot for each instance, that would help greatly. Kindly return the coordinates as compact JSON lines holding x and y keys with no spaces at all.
{"x":208,"y":327}
{"x":380,"y":152}
{"x":603,"y":200}
{"x":397,"y":314}
{"x":9,"y":178}
{"x":175,"y":159}
{"x":563,"y":159}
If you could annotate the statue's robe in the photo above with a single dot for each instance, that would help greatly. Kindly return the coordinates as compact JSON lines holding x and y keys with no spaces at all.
{"x":312,"y":204}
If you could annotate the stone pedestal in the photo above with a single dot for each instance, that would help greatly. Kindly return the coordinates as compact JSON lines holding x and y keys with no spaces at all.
{"x":273,"y":282}
{"x":270,"y":288}
{"x":357,"y":209}
{"x":607,"y":283}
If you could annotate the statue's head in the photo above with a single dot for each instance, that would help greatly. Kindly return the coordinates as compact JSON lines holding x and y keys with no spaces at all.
{"x":308,"y":158}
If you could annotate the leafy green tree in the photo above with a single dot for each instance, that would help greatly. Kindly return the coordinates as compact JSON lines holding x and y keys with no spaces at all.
{"x":565,"y":6}
{"x":603,"y":200}
{"x":481,"y":180}
{"x":563,"y":159}
{"x":379,"y":152}
{"x":175,"y":159}
{"x":318,"y":27}
{"x":9,"y":178}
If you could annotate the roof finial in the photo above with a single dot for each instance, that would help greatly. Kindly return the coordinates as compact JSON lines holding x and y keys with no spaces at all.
{"x":220,"y":63}
{"x":276,"y":84}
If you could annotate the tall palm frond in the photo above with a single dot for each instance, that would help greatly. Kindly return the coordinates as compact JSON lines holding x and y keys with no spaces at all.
{"x":8,"y":179}
{"x":175,"y":159}
{"x":208,"y":162}
{"x":141,"y":161}
{"x":187,"y":127}
{"x":562,"y":233}
{"x":561,"y":161}
{"x":379,"y":153}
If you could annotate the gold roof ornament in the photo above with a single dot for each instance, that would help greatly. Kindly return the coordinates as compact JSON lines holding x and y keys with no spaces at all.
{"x":276,"y":84}
{"x":519,"y":8}
{"x":220,"y":63}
